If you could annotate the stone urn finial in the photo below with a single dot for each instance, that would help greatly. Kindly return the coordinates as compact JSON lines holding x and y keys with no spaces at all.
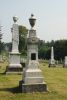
{"x":32,"y":20}
{"x":15,"y":18}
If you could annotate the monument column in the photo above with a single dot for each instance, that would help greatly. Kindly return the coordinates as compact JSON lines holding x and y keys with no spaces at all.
{"x":15,"y":37}
{"x":52,"y":60}
{"x":14,"y":56}
{"x":32,"y":75}
{"x":52,"y":53}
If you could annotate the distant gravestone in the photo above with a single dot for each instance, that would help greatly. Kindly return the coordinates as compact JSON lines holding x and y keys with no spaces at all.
{"x":14,"y":56}
{"x":52,"y":60}
{"x":32,"y":75}
{"x":65,"y":62}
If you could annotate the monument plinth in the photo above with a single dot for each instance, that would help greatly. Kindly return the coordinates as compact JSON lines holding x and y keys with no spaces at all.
{"x":52,"y":60}
{"x":14,"y":56}
{"x":32,"y":75}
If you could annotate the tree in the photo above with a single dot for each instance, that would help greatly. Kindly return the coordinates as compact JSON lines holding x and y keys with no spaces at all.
{"x":8,"y":46}
{"x":2,"y":47}
{"x":23,"y":31}
{"x":43,"y":50}
{"x":60,"y":48}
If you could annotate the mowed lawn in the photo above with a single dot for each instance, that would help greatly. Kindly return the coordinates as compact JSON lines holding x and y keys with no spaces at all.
{"x":56,"y":79}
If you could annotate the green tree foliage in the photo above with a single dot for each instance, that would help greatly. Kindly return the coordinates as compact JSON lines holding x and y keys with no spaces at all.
{"x":2,"y":47}
{"x":8,"y":46}
{"x":43,"y":49}
{"x":60,"y":49}
{"x":23,"y":39}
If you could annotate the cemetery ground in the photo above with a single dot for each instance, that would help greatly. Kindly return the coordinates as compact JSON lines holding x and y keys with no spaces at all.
{"x":56,"y":79}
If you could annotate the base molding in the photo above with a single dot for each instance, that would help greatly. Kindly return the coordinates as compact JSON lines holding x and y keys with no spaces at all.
{"x":15,"y":70}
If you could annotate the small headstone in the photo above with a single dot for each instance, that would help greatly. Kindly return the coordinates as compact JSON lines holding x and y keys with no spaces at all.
{"x":65,"y":62}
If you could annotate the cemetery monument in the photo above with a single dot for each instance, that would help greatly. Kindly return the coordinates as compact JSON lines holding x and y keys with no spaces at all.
{"x":14,"y":56}
{"x":32,"y":75}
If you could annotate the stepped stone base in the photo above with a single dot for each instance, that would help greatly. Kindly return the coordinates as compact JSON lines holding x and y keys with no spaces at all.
{"x":38,"y":87}
{"x":33,"y":81}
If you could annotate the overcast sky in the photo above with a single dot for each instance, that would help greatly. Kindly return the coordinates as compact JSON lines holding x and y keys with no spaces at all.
{"x":51,"y":17}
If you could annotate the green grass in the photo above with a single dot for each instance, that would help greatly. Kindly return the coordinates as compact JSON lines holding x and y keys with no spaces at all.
{"x":56,"y":79}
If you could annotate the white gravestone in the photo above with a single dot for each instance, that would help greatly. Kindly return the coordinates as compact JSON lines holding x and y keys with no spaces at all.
{"x":14,"y":56}
{"x":52,"y":60}
{"x":32,"y":75}
{"x":65,"y":62}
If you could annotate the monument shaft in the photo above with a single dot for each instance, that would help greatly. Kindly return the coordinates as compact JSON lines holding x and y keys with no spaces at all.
{"x":15,"y":37}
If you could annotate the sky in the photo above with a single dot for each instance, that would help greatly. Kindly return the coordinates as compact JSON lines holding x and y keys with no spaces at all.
{"x":51,"y":17}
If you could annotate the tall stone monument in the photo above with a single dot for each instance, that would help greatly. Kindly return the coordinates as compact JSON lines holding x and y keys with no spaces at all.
{"x":32,"y":75}
{"x":14,"y":56}
{"x":52,"y":60}
{"x":65,"y":62}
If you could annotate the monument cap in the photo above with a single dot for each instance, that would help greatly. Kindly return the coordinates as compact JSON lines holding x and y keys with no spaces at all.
{"x":15,"y":18}
{"x":32,"y":20}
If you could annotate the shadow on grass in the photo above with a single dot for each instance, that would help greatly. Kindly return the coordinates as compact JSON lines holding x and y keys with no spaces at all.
{"x":13,"y":90}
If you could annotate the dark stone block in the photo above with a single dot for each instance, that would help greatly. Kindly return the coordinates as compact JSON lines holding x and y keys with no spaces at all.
{"x":13,"y":70}
{"x":52,"y":65}
{"x":64,"y":66}
{"x":25,"y":88}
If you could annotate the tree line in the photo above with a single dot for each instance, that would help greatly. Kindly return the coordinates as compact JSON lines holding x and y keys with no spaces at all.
{"x":44,"y":48}
{"x":60,"y":49}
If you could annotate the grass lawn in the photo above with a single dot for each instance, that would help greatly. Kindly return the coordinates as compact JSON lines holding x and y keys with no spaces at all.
{"x":56,"y":79}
